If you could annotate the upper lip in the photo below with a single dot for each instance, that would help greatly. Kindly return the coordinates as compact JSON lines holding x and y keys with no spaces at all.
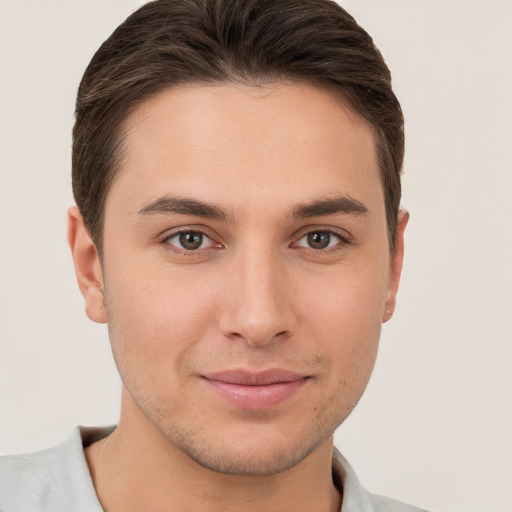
{"x":248,"y":378}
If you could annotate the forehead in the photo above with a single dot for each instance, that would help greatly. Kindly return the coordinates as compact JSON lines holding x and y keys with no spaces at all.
{"x":278,"y":142}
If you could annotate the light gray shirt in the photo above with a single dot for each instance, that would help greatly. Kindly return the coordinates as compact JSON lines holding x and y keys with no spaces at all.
{"x":58,"y":480}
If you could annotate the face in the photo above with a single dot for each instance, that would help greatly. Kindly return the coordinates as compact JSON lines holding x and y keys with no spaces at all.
{"x":246,"y":271}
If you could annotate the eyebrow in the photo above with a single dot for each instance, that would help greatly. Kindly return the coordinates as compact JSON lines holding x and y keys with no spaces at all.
{"x":169,"y":205}
{"x":344,"y":205}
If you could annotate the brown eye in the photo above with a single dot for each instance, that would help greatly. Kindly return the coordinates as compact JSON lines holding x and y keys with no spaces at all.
{"x":189,"y":240}
{"x":319,"y":240}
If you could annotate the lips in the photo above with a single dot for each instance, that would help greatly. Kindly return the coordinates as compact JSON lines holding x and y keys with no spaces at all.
{"x":261,"y":390}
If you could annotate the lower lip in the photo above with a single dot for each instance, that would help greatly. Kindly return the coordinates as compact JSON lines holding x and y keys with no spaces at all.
{"x":256,"y":397}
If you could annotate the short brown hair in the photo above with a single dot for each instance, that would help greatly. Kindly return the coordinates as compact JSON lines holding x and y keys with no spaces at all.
{"x":171,"y":42}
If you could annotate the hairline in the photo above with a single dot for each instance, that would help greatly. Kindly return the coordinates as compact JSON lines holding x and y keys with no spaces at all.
{"x":339,"y":94}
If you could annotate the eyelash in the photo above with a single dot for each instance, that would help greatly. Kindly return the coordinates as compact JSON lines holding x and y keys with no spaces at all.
{"x":190,"y":252}
{"x":343,"y":241}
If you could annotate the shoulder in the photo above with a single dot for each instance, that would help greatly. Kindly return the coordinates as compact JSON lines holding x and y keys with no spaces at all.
{"x":56,"y":479}
{"x":385,"y":504}
{"x":356,"y":498}
{"x":28,"y":482}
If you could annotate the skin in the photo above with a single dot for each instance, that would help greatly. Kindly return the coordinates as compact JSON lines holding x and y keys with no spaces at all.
{"x":255,"y":295}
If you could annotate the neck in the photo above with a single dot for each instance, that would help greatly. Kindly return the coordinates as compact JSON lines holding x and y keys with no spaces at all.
{"x":136,"y":468}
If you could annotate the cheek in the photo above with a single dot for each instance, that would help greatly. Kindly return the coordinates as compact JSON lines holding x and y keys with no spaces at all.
{"x":345,"y":300}
{"x":155,"y":322}
{"x":344,"y":315}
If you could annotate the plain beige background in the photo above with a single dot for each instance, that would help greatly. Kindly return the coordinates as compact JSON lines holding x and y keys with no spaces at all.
{"x":434,"y":427}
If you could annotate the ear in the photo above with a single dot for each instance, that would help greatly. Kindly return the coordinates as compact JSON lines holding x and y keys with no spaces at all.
{"x":87,"y":266}
{"x":396,"y":266}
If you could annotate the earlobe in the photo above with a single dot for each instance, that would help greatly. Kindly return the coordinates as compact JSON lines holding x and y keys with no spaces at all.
{"x":87,"y":266}
{"x":396,"y":266}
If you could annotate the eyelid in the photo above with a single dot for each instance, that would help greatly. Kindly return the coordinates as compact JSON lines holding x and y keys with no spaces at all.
{"x":344,"y":237}
{"x":343,"y":234}
{"x":332,"y":235}
{"x":168,"y":234}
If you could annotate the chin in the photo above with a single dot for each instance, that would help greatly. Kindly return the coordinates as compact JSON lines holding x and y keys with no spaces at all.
{"x":256,"y":450}
{"x":247,"y":460}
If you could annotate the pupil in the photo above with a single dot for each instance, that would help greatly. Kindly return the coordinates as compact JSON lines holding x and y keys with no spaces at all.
{"x":191,"y":240}
{"x":319,"y":240}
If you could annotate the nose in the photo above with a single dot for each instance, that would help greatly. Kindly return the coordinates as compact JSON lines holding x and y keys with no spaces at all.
{"x":258,"y":300}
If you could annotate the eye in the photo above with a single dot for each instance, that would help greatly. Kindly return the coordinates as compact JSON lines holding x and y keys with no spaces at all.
{"x":189,"y":240}
{"x":319,"y":240}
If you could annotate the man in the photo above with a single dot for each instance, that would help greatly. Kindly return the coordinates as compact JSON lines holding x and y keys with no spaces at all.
{"x":236,"y":168}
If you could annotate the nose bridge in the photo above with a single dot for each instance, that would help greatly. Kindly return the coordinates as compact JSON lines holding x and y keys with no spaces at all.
{"x":259,"y":308}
